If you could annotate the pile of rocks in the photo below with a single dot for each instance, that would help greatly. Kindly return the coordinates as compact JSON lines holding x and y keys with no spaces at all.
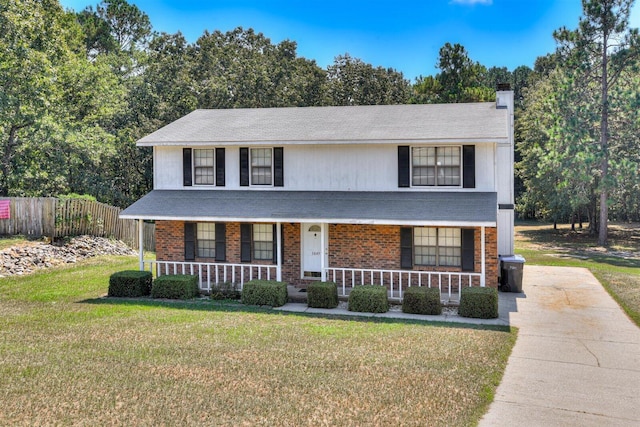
{"x":28,"y":257}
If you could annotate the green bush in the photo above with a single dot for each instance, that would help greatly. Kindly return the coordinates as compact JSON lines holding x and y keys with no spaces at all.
{"x":175,"y":286}
{"x":322,"y":295}
{"x":422,"y":300}
{"x":225,"y":290}
{"x":265,"y":292}
{"x":479,"y":303}
{"x":130,"y":283}
{"x":369,"y":299}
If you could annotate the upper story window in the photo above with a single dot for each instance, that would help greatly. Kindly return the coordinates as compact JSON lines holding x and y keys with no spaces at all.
{"x":203,"y":166}
{"x":436,"y":166}
{"x":261,"y":166}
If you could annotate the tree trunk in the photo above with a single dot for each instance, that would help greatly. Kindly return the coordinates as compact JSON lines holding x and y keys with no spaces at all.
{"x":604,"y":166}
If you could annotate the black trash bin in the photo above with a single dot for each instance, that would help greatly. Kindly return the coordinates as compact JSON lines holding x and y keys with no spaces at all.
{"x":511,"y":268}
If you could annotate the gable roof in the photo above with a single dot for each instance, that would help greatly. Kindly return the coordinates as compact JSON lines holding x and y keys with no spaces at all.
{"x":472,"y":123}
{"x":339,"y":207}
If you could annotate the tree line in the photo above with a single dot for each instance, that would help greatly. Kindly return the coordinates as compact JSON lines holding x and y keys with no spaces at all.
{"x":79,"y":88}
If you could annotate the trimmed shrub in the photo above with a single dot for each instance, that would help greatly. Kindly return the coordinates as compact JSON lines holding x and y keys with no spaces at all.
{"x":265,"y":292}
{"x":369,"y":299}
{"x":479,"y":303}
{"x":130,"y":284}
{"x":175,"y":286}
{"x":422,"y":300}
{"x":322,"y":295}
{"x":225,"y":290}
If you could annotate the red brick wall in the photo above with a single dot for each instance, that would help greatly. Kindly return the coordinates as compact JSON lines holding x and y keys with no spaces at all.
{"x":350,"y":246}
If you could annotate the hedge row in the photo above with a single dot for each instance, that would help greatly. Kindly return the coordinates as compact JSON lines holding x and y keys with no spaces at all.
{"x":133,"y":284}
{"x":475,"y":302}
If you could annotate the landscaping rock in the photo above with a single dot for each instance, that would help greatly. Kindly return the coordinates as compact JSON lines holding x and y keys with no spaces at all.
{"x":27,"y":258}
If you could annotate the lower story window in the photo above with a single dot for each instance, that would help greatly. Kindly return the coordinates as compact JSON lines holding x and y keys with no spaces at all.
{"x":263,"y":241}
{"x":437,"y":246}
{"x":206,"y":238}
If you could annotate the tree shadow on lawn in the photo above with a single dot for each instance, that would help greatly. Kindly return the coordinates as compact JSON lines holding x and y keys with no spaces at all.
{"x":582,"y":246}
{"x":233,"y":306}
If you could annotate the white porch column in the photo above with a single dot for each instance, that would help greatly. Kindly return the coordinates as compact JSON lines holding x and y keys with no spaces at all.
{"x":482,"y":249}
{"x":279,"y":249}
{"x":323,"y":243}
{"x":141,"y":243}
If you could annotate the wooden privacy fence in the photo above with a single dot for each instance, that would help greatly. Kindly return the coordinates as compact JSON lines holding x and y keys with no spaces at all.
{"x":52,"y":217}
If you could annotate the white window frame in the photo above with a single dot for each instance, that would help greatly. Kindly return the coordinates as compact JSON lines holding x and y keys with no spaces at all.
{"x":213,"y":167}
{"x":440,"y":236}
{"x":210,"y":232}
{"x":251,"y":166}
{"x":436,"y":166}
{"x":262,"y":229}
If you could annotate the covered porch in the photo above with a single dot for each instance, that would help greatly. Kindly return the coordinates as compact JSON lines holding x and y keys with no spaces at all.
{"x":350,"y":238}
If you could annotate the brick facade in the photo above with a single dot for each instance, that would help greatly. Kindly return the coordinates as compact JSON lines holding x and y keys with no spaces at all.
{"x":350,"y":246}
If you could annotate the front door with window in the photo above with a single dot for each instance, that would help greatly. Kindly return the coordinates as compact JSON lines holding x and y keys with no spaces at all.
{"x":311,"y":250}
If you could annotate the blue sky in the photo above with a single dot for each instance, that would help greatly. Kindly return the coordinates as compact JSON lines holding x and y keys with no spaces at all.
{"x":402,"y":34}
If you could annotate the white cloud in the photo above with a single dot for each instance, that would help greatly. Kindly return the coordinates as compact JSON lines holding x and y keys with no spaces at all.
{"x":472,"y":2}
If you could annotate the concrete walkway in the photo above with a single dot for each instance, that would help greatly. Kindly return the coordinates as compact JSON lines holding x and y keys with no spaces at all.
{"x":577,"y":358}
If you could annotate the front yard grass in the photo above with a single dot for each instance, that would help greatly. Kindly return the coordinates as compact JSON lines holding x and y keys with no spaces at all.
{"x":65,"y":359}
{"x":616,"y":267}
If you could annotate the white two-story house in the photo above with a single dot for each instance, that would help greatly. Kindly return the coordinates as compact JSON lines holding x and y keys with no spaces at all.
{"x":397,"y":195}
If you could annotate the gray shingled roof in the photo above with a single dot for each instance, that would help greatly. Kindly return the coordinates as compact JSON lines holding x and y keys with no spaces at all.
{"x":407,"y":207}
{"x":474,"y":122}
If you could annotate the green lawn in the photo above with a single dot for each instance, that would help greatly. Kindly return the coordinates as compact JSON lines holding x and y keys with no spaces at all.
{"x":617,"y":267}
{"x":69,"y":357}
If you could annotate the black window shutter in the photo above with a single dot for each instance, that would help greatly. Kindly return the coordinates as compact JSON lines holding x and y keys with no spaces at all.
{"x":245,"y":242}
{"x":189,"y":241}
{"x":469,"y":166}
{"x":186,"y":167}
{"x":403,"y":166}
{"x":278,"y":167}
{"x":406,"y":247}
{"x":275,"y":244}
{"x":221,"y":241}
{"x":244,"y":167}
{"x":220,"y":162}
{"x":468,"y":249}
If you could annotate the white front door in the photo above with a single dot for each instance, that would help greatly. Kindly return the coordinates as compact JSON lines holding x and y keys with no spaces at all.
{"x":311,"y":250}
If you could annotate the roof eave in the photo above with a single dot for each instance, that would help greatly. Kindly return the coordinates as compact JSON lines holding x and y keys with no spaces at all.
{"x":470,"y":141}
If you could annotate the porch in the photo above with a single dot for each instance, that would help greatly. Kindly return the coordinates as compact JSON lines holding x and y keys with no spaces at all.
{"x":396,"y":281}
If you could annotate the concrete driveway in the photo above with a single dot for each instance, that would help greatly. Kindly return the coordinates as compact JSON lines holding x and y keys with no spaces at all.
{"x":577,"y":358}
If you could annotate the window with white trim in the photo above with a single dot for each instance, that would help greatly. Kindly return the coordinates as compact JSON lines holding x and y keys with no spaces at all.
{"x":261,"y":166}
{"x":437,"y":246}
{"x":206,"y":239}
{"x":263,"y":241}
{"x":436,"y":166}
{"x":204,"y":166}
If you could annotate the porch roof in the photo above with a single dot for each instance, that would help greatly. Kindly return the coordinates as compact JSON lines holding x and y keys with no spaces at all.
{"x":339,"y":207}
